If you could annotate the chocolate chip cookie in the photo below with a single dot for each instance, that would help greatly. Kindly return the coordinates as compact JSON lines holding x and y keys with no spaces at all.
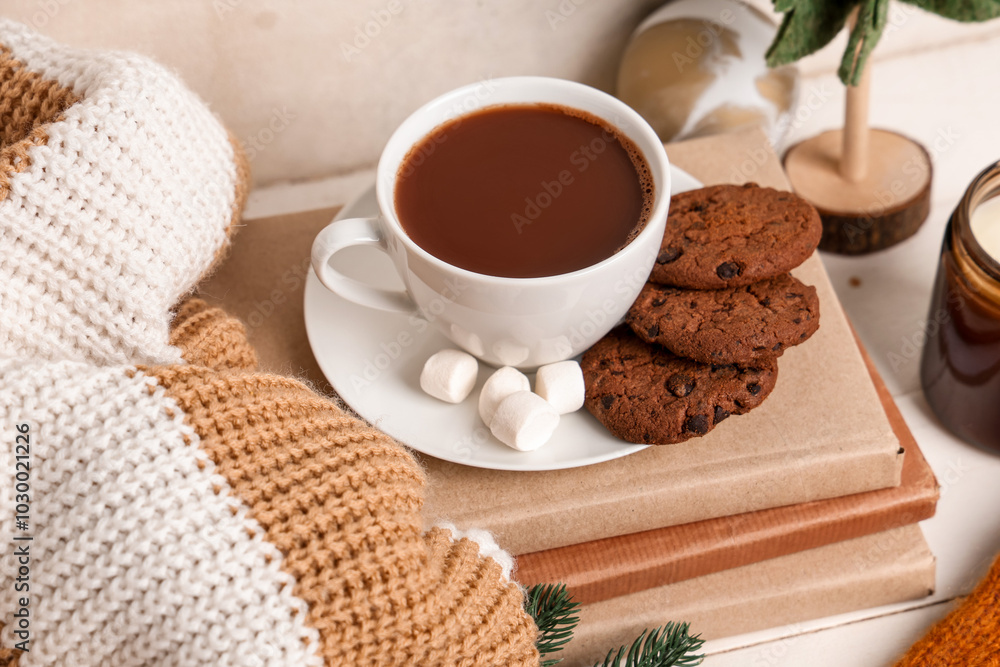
{"x":733,"y":235}
{"x":645,"y":394}
{"x":737,"y":325}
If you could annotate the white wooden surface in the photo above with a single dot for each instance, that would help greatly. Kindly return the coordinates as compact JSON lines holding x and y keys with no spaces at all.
{"x":945,"y":94}
{"x":948,"y":99}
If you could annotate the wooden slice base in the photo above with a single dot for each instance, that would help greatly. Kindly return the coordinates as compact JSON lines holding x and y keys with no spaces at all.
{"x":881,"y":210}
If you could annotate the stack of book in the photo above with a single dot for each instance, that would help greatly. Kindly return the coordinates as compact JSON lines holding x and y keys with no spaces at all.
{"x":805,"y":507}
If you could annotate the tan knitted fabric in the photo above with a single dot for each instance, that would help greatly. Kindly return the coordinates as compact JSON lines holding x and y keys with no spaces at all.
{"x":209,"y":337}
{"x":342,"y":503}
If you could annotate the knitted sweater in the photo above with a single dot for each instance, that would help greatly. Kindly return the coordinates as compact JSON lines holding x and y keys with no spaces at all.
{"x":182,"y":508}
{"x":969,"y":636}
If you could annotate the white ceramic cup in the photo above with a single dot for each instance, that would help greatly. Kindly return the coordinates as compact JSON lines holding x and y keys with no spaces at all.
{"x":522,"y":322}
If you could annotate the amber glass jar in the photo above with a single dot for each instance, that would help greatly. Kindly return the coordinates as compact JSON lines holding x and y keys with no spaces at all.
{"x":960,"y":369}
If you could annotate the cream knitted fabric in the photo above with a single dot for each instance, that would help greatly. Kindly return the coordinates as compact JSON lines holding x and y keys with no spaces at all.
{"x":140,"y":554}
{"x":116,"y":193}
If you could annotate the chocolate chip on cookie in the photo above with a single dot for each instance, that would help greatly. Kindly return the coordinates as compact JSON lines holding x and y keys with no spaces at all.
{"x":737,"y":325}
{"x":733,"y":235}
{"x":645,"y":394}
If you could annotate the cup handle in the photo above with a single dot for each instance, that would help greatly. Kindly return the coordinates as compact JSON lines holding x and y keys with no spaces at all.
{"x":351,"y":232}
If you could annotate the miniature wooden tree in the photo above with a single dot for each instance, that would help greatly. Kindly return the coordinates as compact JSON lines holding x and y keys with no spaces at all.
{"x":871,"y":186}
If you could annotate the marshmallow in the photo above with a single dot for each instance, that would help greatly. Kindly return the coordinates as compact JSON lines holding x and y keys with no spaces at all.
{"x":524,"y":421}
{"x":449,"y":375}
{"x":499,"y":386}
{"x":561,"y":384}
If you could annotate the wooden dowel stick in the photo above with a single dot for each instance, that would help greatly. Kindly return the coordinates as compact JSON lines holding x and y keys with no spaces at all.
{"x":854,"y":154}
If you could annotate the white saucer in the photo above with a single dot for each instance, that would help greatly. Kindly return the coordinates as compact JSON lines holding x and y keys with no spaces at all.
{"x":374,"y":358}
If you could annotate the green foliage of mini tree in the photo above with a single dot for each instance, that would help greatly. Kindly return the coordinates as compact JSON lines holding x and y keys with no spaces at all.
{"x":809,"y":25}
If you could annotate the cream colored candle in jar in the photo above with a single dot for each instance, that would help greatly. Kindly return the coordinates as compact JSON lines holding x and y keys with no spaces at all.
{"x":960,"y":368}
{"x":986,"y":226}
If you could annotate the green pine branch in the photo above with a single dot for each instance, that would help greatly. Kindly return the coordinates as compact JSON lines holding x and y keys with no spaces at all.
{"x":554,"y":612}
{"x":669,"y":646}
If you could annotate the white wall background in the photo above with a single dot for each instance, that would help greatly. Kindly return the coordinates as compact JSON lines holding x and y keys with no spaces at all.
{"x":276,"y":70}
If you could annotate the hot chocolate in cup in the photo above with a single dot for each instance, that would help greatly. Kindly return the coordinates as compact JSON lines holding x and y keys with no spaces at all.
{"x":510,"y":309}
